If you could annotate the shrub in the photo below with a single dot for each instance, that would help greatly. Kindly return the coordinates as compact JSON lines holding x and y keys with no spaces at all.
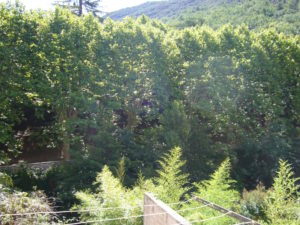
{"x":283,"y":202}
{"x":170,"y":186}
{"x":111,"y":194}
{"x":171,"y":183}
{"x":219,"y":190}
{"x":15,"y":202}
{"x":253,"y":203}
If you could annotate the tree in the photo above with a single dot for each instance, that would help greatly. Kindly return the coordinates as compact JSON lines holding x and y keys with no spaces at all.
{"x":282,"y":206}
{"x":170,"y":186}
{"x":79,"y":6}
{"x":218,"y":189}
{"x":111,"y":194}
{"x":121,"y":170}
{"x":171,"y":182}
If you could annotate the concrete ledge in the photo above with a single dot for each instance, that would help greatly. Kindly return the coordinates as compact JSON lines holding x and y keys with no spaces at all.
{"x":165,"y":214}
{"x":36,"y":166}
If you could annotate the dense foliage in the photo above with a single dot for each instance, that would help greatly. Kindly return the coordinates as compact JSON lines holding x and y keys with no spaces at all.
{"x":112,"y":200}
{"x":161,"y":9}
{"x":169,"y":185}
{"x":282,"y":15}
{"x":132,"y":90}
{"x":15,"y":202}
{"x":138,"y":88}
{"x":283,"y":201}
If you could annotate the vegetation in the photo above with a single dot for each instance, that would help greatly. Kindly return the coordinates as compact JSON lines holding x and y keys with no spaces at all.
{"x":128,"y":202}
{"x":161,"y":9}
{"x":253,"y":203}
{"x":16,"y":202}
{"x":79,"y":6}
{"x":282,"y":205}
{"x":257,"y":14}
{"x":116,"y":96}
{"x":171,"y":182}
{"x":283,"y":15}
{"x":219,"y":189}
{"x":111,"y":194}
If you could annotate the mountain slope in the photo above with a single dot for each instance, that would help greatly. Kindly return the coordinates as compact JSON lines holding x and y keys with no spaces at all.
{"x":161,"y":9}
{"x":283,"y":15}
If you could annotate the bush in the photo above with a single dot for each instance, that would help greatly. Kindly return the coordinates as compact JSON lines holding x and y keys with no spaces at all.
{"x":16,"y":202}
{"x":111,"y":194}
{"x":170,"y":186}
{"x":219,"y":190}
{"x":253,"y":203}
{"x":283,"y":202}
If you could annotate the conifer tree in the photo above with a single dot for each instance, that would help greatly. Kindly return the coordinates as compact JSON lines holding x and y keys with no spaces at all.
{"x":111,"y":194}
{"x":79,"y":6}
{"x":171,"y":182}
{"x":121,"y":170}
{"x":283,"y":204}
{"x":218,"y":189}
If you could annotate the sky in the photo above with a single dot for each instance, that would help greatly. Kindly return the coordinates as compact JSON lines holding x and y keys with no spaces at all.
{"x":107,"y":5}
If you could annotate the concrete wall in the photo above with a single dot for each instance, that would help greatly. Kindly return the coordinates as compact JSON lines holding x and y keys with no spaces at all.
{"x":166,"y":215}
{"x":34,"y":166}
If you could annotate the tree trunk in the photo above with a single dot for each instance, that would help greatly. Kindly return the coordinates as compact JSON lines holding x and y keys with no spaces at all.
{"x":66,"y":142}
{"x":80,"y":7}
{"x":65,"y":155}
{"x":65,"y":114}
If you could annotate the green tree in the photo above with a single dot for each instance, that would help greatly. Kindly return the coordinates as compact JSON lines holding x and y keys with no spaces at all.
{"x":124,"y":202}
{"x":78,"y":7}
{"x":282,"y":204}
{"x":175,"y":126}
{"x":218,"y":189}
{"x":121,"y":170}
{"x":172,"y":182}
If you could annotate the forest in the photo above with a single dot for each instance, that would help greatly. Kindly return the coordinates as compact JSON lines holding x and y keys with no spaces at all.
{"x":282,"y":15}
{"x":138,"y":106}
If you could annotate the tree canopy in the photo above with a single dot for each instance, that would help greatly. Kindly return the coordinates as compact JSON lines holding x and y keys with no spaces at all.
{"x":133,"y":89}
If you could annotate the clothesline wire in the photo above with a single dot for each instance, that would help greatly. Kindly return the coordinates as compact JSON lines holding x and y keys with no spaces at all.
{"x":250,"y":222}
{"x":123,"y":218}
{"x":209,"y":219}
{"x":132,"y":217}
{"x":90,"y":209}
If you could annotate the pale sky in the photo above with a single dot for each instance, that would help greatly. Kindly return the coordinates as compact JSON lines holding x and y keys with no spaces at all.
{"x":107,"y":5}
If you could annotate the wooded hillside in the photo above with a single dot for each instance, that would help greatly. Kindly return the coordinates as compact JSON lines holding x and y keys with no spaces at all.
{"x":283,"y":15}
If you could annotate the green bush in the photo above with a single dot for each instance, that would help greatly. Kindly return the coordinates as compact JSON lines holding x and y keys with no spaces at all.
{"x":218,"y":189}
{"x":111,"y":194}
{"x":283,"y":202}
{"x":16,"y":202}
{"x":169,"y":186}
{"x":171,"y":183}
{"x":253,"y":203}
